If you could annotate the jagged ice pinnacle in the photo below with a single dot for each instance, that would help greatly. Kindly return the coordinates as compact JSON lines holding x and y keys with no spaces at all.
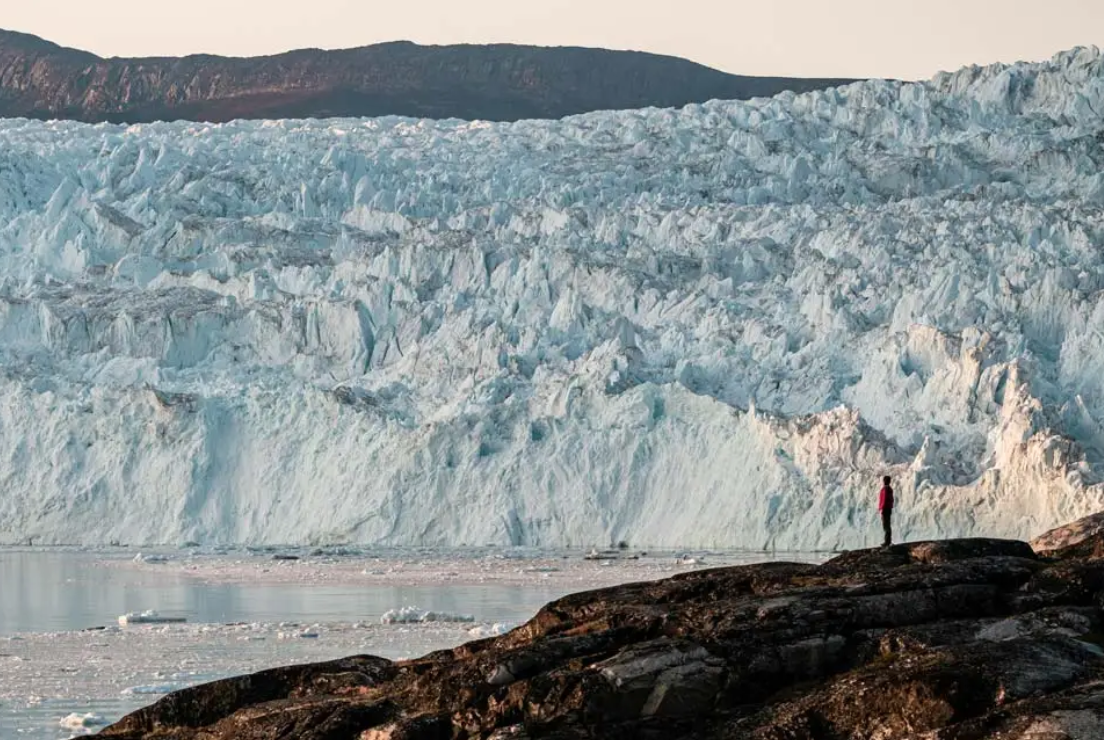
{"x":716,"y":326}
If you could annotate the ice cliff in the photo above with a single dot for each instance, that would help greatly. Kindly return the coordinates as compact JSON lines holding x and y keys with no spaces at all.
{"x":715,"y":326}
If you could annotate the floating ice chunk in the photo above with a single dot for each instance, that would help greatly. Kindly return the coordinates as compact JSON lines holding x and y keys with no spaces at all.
{"x":491,"y":630}
{"x":596,"y":554}
{"x":151,"y":558}
{"x":306,"y":634}
{"x":688,"y":560}
{"x":82,"y":723}
{"x":414,"y":615}
{"x":152,"y":689}
{"x":149,"y":617}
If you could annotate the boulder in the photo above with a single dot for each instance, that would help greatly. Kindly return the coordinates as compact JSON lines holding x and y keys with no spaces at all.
{"x":1083,"y":538}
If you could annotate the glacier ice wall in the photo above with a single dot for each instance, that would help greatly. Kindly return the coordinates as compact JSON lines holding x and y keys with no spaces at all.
{"x":716,"y":326}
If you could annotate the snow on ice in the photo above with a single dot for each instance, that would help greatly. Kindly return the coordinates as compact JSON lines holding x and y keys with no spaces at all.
{"x":708,"y":327}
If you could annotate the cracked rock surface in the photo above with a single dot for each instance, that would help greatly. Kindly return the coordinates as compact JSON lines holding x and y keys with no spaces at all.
{"x":953,"y":640}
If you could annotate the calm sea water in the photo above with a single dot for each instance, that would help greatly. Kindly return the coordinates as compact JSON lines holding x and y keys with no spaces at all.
{"x":50,"y":667}
{"x":49,"y":591}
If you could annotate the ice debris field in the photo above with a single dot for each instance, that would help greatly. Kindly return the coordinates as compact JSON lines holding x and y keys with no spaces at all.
{"x":72,"y":683}
{"x":714,"y":327}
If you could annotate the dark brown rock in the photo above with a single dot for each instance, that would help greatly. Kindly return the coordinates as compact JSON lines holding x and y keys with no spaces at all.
{"x":39,"y":79}
{"x":207,"y":705}
{"x":1083,"y":538}
{"x":957,"y":640}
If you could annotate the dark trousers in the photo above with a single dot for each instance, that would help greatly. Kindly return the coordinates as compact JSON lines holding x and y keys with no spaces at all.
{"x":887,"y":526}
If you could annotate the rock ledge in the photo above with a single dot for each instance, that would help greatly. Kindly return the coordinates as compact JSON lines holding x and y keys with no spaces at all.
{"x":955,"y":640}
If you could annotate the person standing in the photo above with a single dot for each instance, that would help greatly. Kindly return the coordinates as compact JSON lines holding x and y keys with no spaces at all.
{"x":885,"y":505}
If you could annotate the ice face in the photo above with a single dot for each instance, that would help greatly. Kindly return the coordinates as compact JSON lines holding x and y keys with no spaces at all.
{"x":716,"y":326}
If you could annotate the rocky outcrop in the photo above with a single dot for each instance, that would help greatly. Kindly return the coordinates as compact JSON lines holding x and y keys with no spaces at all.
{"x":956,"y":640}
{"x":1083,"y":538}
{"x":39,"y":79}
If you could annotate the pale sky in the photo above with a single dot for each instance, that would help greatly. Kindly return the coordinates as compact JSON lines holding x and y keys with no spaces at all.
{"x":907,"y":39}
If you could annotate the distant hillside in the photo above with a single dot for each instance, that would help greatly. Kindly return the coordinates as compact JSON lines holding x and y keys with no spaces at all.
{"x":39,"y":79}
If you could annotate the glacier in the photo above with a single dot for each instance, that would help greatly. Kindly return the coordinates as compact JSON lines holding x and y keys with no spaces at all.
{"x":715,"y":327}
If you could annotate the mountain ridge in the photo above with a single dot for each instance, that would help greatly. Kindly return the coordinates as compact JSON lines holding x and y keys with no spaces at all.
{"x":500,"y":82}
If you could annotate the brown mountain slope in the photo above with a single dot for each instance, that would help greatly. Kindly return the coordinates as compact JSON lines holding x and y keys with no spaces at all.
{"x":39,"y":79}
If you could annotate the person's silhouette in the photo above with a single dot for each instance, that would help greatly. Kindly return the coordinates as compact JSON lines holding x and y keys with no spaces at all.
{"x":885,"y":505}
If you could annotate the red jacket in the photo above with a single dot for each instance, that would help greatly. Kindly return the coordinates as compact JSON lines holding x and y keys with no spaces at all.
{"x":885,"y":498}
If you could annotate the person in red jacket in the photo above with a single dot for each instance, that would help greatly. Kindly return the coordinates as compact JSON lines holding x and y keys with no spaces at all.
{"x":885,"y":505}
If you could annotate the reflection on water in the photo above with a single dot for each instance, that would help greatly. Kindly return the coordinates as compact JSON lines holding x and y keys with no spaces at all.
{"x":49,"y":668}
{"x":54,"y":591}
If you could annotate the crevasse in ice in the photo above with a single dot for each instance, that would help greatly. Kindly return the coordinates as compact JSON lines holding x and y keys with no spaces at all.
{"x":716,"y":326}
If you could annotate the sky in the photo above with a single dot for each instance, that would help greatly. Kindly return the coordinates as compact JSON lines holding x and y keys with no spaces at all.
{"x":904,"y":39}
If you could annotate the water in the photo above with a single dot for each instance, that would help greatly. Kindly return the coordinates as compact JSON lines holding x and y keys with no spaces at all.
{"x":62,"y":652}
{"x":55,"y":591}
{"x":55,"y":660}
